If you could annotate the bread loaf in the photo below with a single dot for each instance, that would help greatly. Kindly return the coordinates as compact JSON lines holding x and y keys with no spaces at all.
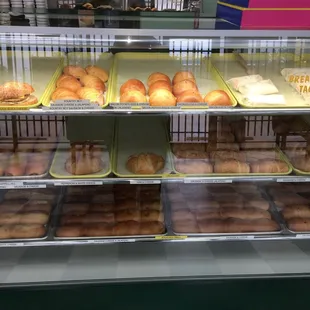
{"x":231,"y":166}
{"x":145,"y":163}
{"x":296,"y":211}
{"x":299,"y":224}
{"x":269,"y":166}
{"x":193,"y":167}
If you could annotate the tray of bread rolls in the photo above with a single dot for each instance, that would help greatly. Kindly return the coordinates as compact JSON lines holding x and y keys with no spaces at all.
{"x":154,"y":80}
{"x":23,"y":83}
{"x":299,"y":157}
{"x":110,"y":211}
{"x":261,"y":81}
{"x":85,"y":159}
{"x":85,"y":76}
{"x":25,"y":215}
{"x":292,"y":201}
{"x":141,"y":147}
{"x":215,"y":209}
{"x":30,"y":160}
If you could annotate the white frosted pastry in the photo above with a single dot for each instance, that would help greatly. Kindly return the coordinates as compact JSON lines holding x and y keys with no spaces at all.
{"x":240,"y":81}
{"x":265,"y":99}
{"x":265,"y":87}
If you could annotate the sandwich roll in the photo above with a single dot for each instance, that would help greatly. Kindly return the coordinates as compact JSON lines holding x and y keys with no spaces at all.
{"x":75,"y":71}
{"x":231,"y":166}
{"x":183,"y":75}
{"x":98,"y":230}
{"x":159,"y":85}
{"x":93,"y":82}
{"x":183,"y":86}
{"x":218,"y":98}
{"x":190,"y":96}
{"x":269,"y":166}
{"x":185,"y":227}
{"x":98,"y":72}
{"x":296,"y":211}
{"x":152,"y":228}
{"x":158,"y":76}
{"x":133,"y":96}
{"x":27,"y":231}
{"x":162,"y":98}
{"x":299,"y":224}
{"x":69,"y":231}
{"x":133,"y":84}
{"x":69,"y":83}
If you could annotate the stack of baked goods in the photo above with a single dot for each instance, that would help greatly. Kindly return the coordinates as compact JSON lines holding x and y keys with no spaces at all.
{"x":123,"y":210}
{"x":17,"y":94}
{"x":145,"y":163}
{"x":25,"y":214}
{"x":220,"y":209}
{"x":81,"y":83}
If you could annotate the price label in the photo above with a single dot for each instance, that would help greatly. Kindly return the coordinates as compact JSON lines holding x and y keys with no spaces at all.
{"x":293,"y":180}
{"x":303,"y":236}
{"x":239,"y":237}
{"x":78,"y":183}
{"x":145,"y":181}
{"x":206,"y":181}
{"x":74,"y":105}
{"x":19,"y":185}
{"x":112,"y":241}
{"x":170,"y":237}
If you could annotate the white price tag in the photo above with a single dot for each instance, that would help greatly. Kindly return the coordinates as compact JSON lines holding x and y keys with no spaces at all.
{"x":74,"y":105}
{"x":239,"y":237}
{"x":31,"y":186}
{"x":78,"y":183}
{"x":303,"y":236}
{"x":100,"y":241}
{"x":19,"y":185}
{"x":206,"y":181}
{"x":145,"y":181}
{"x":293,"y":180}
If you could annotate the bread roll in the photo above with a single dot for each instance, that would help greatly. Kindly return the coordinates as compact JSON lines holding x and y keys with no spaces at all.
{"x":183,"y":215}
{"x":190,"y":96}
{"x":152,"y":228}
{"x":159,"y":85}
{"x":258,"y":203}
{"x":126,"y":228}
{"x":101,"y":207}
{"x":191,"y":154}
{"x":75,"y":71}
{"x":128,"y":215}
{"x":151,"y":205}
{"x":150,"y":195}
{"x":218,"y":98}
{"x":91,"y":94}
{"x":183,"y":75}
{"x":244,"y":213}
{"x":212,"y":226}
{"x":186,"y":85}
{"x":37,"y":207}
{"x":227,"y":154}
{"x":69,"y":83}
{"x":162,"y":97}
{"x":133,"y":96}
{"x":200,"y":147}
{"x":269,"y":166}
{"x":151,"y":216}
{"x":93,"y":82}
{"x":197,"y":206}
{"x":98,"y":72}
{"x":193,"y":167}
{"x":258,"y":225}
{"x":64,"y":94}
{"x":299,"y":224}
{"x":145,"y":163}
{"x":185,"y":227}
{"x":98,"y":230}
{"x":125,"y":204}
{"x":15,"y":90}
{"x":16,"y":166}
{"x":5,"y":231}
{"x":210,"y":213}
{"x":133,"y":84}
{"x":36,"y":168}
{"x":62,"y":77}
{"x":27,"y":231}
{"x":231,"y":166}
{"x":157,"y":76}
{"x":301,"y":162}
{"x":9,"y":218}
{"x":294,"y":211}
{"x":69,"y":231}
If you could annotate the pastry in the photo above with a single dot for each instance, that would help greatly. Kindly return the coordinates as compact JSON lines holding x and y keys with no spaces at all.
{"x":63,"y":94}
{"x":98,"y":72}
{"x":269,"y":166}
{"x":93,"y":82}
{"x":91,"y":94}
{"x":75,"y":71}
{"x":183,"y":75}
{"x":145,"y":163}
{"x":157,"y":76}
{"x":133,"y":84}
{"x":159,"y":85}
{"x":193,"y":167}
{"x":162,"y":97}
{"x":189,"y":96}
{"x":185,"y":85}
{"x":299,"y":224}
{"x":69,"y":83}
{"x":231,"y":166}
{"x":218,"y":98}
{"x":133,"y":96}
{"x":293,"y":211}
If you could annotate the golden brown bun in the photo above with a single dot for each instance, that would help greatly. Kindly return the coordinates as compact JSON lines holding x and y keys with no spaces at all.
{"x":69,"y":231}
{"x":185,"y":85}
{"x":190,"y":96}
{"x":194,"y":167}
{"x":231,"y":166}
{"x":75,"y":71}
{"x":159,"y":85}
{"x":133,"y":84}
{"x":97,"y":230}
{"x":26,"y":231}
{"x":15,"y":90}
{"x":63,"y":93}
{"x":299,"y":224}
{"x":70,"y":83}
{"x":188,"y":154}
{"x":126,"y":228}
{"x":98,"y":72}
{"x":217,"y":98}
{"x":152,"y":228}
{"x":93,"y":82}
{"x":62,"y":77}
{"x":227,"y":154}
{"x":133,"y":96}
{"x":91,"y":94}
{"x":145,"y":163}
{"x":157,"y":76}
{"x":301,"y":211}
{"x":162,"y":97}
{"x":269,"y":166}
{"x":26,"y":101}
{"x":183,"y":75}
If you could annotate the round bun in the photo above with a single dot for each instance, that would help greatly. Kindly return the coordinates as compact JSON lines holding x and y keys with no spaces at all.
{"x":133,"y":96}
{"x":133,"y":84}
{"x":161,"y":84}
{"x":194,"y":167}
{"x":217,"y":98}
{"x":98,"y":72}
{"x":183,"y":86}
{"x":190,"y":96}
{"x":162,"y":97}
{"x":157,"y":76}
{"x":63,"y":93}
{"x":93,"y":82}
{"x":91,"y":94}
{"x":70,"y":83}
{"x":75,"y":71}
{"x":63,"y":76}
{"x":145,"y":163}
{"x":183,"y":75}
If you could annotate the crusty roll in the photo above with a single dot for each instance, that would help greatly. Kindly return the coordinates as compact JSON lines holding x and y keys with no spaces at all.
{"x":75,"y":71}
{"x":183,"y":215}
{"x":191,"y":154}
{"x":218,"y":98}
{"x":126,"y":228}
{"x":299,"y":224}
{"x":133,"y":96}
{"x":162,"y":98}
{"x":185,"y":227}
{"x":193,"y":167}
{"x":183,"y":86}
{"x":159,"y":85}
{"x":133,"y":84}
{"x":69,"y":83}
{"x":98,"y":72}
{"x":269,"y":166}
{"x":63,"y":94}
{"x":145,"y":163}
{"x":293,"y":211}
{"x":128,"y":215}
{"x":152,"y":228}
{"x":92,"y":82}
{"x":301,"y":162}
{"x":27,"y":231}
{"x":190,"y":96}
{"x":257,"y":225}
{"x":212,"y":226}
{"x":183,"y":75}
{"x":91,"y":94}
{"x":231,"y":166}
{"x":227,"y":154}
{"x":15,"y":90}
{"x":157,"y":76}
{"x":69,"y":231}
{"x":98,"y":230}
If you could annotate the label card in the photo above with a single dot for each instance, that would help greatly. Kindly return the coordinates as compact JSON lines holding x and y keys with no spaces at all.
{"x":74,"y":105}
{"x":19,"y":185}
{"x":145,"y":181}
{"x":77,"y":183}
{"x":205,"y":181}
{"x":293,"y":180}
